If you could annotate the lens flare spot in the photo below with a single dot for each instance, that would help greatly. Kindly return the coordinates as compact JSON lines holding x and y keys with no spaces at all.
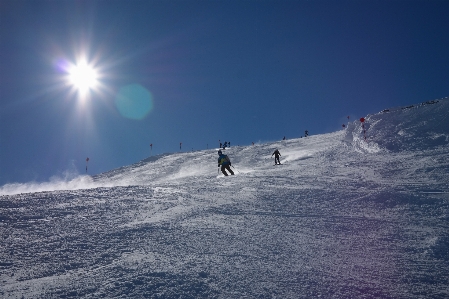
{"x":134,"y":101}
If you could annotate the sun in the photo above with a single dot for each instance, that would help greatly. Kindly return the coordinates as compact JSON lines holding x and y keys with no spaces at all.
{"x":83,"y":77}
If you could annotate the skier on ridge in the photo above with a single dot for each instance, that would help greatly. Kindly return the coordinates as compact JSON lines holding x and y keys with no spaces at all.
{"x":225,"y":163}
{"x":276,"y":157}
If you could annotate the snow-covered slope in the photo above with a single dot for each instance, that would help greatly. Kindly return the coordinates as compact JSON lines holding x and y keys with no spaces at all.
{"x":341,"y":218}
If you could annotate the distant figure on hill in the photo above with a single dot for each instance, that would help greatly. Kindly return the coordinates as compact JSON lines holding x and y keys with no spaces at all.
{"x":306,"y":133}
{"x":225,"y":145}
{"x":276,"y":157}
{"x":284,"y":138}
{"x":225,"y":163}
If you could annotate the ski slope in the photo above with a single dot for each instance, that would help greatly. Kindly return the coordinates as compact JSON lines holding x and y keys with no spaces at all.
{"x":341,"y":218}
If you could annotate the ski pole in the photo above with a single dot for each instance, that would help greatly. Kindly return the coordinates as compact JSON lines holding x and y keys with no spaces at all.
{"x":235,"y":169}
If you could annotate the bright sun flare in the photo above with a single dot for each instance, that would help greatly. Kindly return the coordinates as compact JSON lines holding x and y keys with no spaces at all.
{"x":83,"y":77}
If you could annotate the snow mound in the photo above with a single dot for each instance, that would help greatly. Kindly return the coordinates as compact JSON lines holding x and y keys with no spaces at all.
{"x":411,"y":128}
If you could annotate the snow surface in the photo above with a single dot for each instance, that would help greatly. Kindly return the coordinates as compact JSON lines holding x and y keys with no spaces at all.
{"x":341,"y":218}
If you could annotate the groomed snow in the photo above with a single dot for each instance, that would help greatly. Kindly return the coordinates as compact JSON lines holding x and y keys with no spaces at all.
{"x":341,"y":218}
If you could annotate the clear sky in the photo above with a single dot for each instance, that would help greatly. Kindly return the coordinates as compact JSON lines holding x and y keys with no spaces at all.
{"x":165,"y":72}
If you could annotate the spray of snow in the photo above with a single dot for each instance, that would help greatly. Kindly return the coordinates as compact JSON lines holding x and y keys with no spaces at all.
{"x":55,"y":183}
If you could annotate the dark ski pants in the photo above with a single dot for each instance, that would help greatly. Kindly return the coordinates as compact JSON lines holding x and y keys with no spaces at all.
{"x":276,"y":160}
{"x":228,"y":168}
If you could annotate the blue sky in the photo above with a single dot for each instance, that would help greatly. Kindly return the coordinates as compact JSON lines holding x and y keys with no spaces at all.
{"x":239,"y":71}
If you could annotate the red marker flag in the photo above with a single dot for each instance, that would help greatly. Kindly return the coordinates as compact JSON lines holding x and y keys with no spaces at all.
{"x":362,"y":120}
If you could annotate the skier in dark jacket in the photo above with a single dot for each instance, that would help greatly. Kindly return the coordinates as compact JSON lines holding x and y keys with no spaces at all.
{"x":276,"y":157}
{"x":225,"y":163}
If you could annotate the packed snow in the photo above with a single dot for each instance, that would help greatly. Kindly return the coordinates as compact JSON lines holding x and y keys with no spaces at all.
{"x":342,"y":217}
